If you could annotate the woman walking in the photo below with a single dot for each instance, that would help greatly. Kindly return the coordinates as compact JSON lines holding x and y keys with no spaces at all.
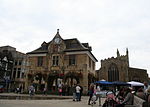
{"x":91,"y":91}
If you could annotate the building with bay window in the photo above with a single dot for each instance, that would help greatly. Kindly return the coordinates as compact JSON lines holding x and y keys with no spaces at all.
{"x":61,"y":62}
{"x":13,"y":68}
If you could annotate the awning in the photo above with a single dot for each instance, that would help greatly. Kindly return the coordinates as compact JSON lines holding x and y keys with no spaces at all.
{"x":103,"y":82}
{"x":120,"y":83}
{"x":134,"y":83}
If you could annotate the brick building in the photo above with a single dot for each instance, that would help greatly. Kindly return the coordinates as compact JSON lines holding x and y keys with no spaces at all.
{"x":61,"y":61}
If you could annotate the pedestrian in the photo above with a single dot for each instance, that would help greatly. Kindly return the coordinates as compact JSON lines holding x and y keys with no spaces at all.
{"x":140,"y":93}
{"x":17,"y":90}
{"x":78,"y":92}
{"x":20,"y":89}
{"x":74,"y":92}
{"x":121,"y":94}
{"x":98,"y":94}
{"x":81,"y":91}
{"x":128,"y":99}
{"x":147,"y":102}
{"x":60,"y":91}
{"x":63,"y":90}
{"x":31,"y":90}
{"x":145,"y":87}
{"x":148,"y":95}
{"x":91,"y":91}
{"x":45,"y":91}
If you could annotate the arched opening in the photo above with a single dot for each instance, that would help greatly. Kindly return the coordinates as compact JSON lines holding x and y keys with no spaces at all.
{"x":52,"y":81}
{"x":72,"y":78}
{"x":39,"y":81}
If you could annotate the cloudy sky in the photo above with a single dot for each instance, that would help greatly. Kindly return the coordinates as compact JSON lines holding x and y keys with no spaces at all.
{"x":105,"y":24}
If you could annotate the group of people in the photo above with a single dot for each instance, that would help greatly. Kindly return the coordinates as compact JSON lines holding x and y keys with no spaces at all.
{"x":94,"y":94}
{"x":144,"y":94}
{"x":124,"y":97}
{"x":31,"y":90}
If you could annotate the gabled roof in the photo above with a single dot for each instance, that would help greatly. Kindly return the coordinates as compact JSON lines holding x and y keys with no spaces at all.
{"x":42,"y":49}
{"x":72,"y":45}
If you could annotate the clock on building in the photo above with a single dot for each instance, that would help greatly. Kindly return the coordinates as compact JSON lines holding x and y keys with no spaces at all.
{"x":57,"y":40}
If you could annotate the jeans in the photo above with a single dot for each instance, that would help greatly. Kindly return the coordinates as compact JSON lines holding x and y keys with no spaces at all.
{"x":78,"y":96}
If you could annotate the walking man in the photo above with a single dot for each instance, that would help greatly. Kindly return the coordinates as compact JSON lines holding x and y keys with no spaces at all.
{"x":78,"y":92}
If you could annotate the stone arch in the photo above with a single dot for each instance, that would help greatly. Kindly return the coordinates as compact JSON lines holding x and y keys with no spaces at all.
{"x":52,"y":78}
{"x":72,"y":76}
{"x":113,"y":72}
{"x":39,"y":80}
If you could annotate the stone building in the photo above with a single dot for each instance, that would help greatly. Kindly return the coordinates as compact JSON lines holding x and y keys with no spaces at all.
{"x":61,"y":62}
{"x":12,"y":68}
{"x":118,"y":69}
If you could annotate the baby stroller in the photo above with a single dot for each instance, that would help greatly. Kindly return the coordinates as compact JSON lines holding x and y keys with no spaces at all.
{"x":93,"y":100}
{"x":110,"y":100}
{"x":96,"y":97}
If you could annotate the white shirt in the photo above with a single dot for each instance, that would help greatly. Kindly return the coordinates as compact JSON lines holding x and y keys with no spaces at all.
{"x":78,"y":89}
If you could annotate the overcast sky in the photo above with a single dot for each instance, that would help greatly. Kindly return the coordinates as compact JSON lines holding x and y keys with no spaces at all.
{"x":105,"y":24}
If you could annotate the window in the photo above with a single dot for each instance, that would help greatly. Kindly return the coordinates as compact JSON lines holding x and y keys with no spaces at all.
{"x":55,"y":60}
{"x":18,"y":72}
{"x":20,"y":62}
{"x":72,"y":60}
{"x":89,"y":62}
{"x":22,"y":76}
{"x":14,"y":73}
{"x":113,"y":73}
{"x":16,"y":62}
{"x":93,"y":63}
{"x":40,"y":61}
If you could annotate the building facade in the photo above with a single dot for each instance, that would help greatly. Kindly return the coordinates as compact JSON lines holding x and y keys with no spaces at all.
{"x":118,"y":69}
{"x":61,"y":62}
{"x":13,"y":68}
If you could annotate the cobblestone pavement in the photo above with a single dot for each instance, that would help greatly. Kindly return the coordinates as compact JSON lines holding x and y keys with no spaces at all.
{"x":46,"y":103}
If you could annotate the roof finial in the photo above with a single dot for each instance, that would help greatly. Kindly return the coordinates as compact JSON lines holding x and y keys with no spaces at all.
{"x":57,"y":30}
{"x":127,"y":52}
{"x":118,"y":54}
